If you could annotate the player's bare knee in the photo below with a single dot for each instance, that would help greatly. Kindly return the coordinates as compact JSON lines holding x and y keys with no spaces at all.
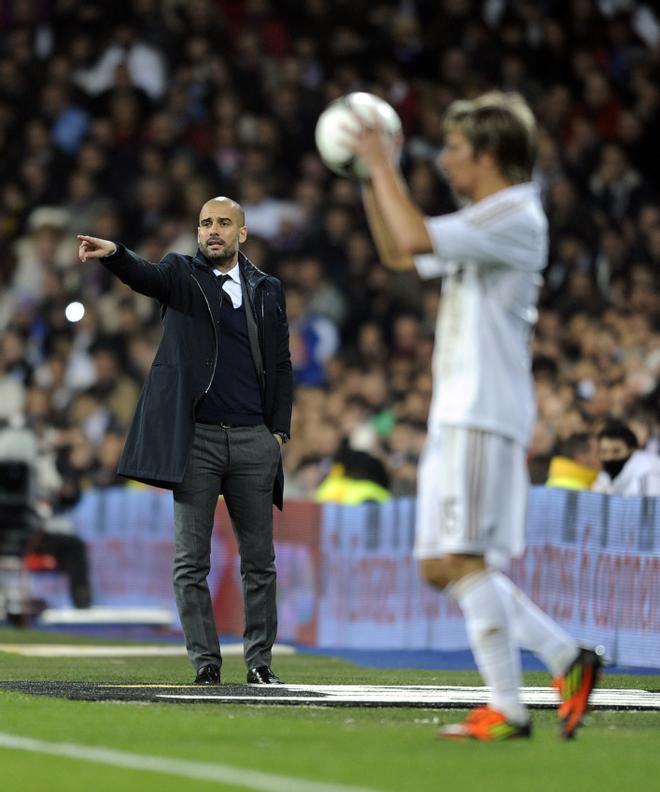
{"x":435,"y":571}
{"x":442,"y":572}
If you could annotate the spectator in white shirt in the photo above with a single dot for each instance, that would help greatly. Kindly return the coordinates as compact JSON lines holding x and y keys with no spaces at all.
{"x":145,"y":65}
{"x":626,"y":470}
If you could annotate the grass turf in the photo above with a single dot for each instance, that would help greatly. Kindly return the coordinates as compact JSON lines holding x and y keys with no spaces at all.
{"x":384,"y":749}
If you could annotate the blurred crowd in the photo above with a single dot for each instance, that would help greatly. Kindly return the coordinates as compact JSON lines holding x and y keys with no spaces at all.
{"x":119,"y":120}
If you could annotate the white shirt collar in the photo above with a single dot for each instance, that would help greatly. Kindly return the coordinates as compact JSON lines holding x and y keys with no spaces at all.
{"x":233,"y":273}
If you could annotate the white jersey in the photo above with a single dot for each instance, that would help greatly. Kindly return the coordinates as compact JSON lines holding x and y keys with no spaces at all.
{"x":490,"y":255}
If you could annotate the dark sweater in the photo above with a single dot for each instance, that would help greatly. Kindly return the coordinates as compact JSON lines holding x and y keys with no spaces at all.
{"x":234,"y":397}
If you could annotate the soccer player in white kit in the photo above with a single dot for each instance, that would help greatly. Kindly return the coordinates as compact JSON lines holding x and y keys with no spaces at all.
{"x":473,"y":479}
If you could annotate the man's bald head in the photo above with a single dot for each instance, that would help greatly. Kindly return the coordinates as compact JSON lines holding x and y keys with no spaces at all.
{"x":220,"y":203}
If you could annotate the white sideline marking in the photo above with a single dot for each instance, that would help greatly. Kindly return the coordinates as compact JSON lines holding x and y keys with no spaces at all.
{"x":424,"y":695}
{"x":67,"y":650}
{"x":203,"y":771}
{"x":72,"y":650}
{"x":104,"y":614}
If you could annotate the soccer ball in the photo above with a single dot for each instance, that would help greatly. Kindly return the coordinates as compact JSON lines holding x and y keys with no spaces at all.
{"x":330,"y":135}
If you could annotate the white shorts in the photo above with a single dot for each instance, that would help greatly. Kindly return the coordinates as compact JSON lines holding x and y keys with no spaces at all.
{"x":472,"y":496}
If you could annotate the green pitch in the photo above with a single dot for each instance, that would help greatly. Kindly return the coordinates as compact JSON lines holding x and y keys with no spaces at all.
{"x":297,"y":748}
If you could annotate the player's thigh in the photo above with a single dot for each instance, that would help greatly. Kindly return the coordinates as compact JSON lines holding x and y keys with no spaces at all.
{"x":472,"y":490}
{"x":441,"y":497}
{"x":503,"y":507}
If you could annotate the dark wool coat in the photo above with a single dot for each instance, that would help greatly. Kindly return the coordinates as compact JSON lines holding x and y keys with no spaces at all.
{"x":160,"y":437}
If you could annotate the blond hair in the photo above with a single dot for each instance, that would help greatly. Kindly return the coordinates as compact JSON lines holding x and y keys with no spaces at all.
{"x":501,"y":124}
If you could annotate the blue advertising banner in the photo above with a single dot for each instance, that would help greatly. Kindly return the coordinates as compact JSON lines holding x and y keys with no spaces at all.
{"x":347,"y":578}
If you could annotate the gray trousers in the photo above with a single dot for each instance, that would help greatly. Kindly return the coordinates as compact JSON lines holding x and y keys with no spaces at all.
{"x":240,"y":463}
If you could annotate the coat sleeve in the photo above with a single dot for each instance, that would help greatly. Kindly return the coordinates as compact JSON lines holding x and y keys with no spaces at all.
{"x":152,"y":280}
{"x":284,"y":384}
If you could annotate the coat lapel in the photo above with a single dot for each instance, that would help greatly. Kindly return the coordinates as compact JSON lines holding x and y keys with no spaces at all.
{"x":253,"y":331}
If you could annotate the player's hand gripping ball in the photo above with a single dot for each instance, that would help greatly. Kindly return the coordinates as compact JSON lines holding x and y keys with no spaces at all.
{"x":331,"y":136}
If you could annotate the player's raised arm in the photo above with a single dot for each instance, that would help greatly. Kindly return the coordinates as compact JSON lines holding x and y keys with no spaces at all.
{"x":94,"y":248}
{"x":401,"y":220}
{"x":388,"y":250}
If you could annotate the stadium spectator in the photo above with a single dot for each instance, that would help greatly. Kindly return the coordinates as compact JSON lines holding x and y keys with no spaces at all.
{"x":626,"y":470}
{"x":39,"y":513}
{"x":112,"y":388}
{"x":104,"y":473}
{"x":615,"y":185}
{"x":144,"y":64}
{"x":69,"y":123}
{"x":640,"y":421}
{"x":576,"y":466}
{"x":313,"y":337}
{"x":355,"y":477}
{"x":404,"y":444}
{"x":43,"y":249}
{"x":321,"y":295}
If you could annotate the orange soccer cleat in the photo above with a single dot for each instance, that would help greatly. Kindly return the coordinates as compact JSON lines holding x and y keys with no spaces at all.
{"x":575,"y":687}
{"x":485,"y":724}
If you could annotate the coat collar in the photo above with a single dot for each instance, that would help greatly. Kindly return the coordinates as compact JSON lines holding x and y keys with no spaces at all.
{"x":251,"y":274}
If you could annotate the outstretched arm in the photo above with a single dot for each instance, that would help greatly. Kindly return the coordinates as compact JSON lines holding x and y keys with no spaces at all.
{"x":153,"y":280}
{"x":93,"y":247}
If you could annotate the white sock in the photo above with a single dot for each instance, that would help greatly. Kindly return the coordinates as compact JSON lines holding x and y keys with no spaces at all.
{"x":535,"y":630}
{"x":492,"y":642}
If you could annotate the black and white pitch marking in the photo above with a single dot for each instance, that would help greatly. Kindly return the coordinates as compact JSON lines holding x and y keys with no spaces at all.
{"x":422,"y":696}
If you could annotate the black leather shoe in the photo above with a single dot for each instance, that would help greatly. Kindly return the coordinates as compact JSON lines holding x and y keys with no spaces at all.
{"x":262,"y":675}
{"x":208,"y":675}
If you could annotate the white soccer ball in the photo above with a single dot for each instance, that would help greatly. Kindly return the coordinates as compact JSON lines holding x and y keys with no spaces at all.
{"x":330,"y":135}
